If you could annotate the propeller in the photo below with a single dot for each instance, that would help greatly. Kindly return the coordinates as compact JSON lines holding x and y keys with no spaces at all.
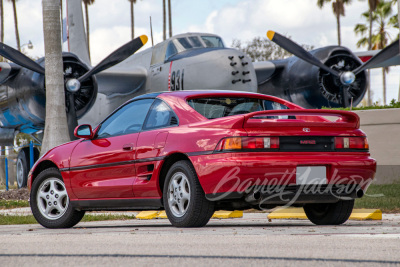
{"x":19,"y":58}
{"x":346,"y":77}
{"x":73,"y":85}
{"x":119,"y":55}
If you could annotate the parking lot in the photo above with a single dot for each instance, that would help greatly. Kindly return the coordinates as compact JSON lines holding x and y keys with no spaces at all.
{"x":237,"y":242}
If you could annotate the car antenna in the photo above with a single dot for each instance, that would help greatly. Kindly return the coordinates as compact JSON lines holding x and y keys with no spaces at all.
{"x":151,"y":32}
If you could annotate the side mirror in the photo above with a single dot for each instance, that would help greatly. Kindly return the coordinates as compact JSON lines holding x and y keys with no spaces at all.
{"x":84,"y":131}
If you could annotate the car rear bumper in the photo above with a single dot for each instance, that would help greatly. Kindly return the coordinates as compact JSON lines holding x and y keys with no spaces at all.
{"x":273,"y":175}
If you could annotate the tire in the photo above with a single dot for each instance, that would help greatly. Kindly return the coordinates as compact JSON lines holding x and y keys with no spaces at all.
{"x":184,"y":199}
{"x":50,"y":202}
{"x":23,"y":165}
{"x":329,"y":213}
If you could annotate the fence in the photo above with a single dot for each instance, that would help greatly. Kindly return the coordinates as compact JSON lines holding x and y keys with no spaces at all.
{"x":6,"y":159}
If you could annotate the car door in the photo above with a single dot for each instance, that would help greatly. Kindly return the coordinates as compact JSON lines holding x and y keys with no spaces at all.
{"x":150,"y":145}
{"x":104,"y":166}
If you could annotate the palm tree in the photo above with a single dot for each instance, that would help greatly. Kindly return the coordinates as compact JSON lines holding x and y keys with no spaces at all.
{"x":132,"y":19}
{"x":2,"y":25}
{"x":87,"y":3}
{"x":381,"y":24}
{"x":169,"y":18}
{"x":16,"y":23}
{"x":372,"y":4}
{"x":338,"y":10}
{"x":56,"y":129}
{"x":164,"y":22}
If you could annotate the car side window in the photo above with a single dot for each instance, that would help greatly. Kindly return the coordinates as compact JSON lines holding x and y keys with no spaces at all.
{"x":128,"y":119}
{"x":160,"y":115}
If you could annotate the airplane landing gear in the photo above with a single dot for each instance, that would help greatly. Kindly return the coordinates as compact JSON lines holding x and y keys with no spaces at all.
{"x":23,"y":165}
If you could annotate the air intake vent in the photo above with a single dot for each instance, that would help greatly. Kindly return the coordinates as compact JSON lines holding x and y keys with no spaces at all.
{"x":173,"y":121}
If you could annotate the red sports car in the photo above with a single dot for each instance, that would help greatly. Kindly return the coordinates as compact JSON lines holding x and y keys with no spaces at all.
{"x":192,"y":152}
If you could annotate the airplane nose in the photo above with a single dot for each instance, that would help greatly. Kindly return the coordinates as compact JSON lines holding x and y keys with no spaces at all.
{"x":220,"y":69}
{"x":239,"y":72}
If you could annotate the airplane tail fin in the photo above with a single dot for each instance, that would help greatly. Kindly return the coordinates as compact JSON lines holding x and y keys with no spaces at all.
{"x":75,"y":30}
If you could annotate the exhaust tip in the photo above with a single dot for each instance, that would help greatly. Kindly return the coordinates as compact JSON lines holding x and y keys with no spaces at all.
{"x":360,"y":193}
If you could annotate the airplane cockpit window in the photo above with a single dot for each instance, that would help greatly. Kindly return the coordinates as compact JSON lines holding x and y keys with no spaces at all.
{"x":179,"y":45}
{"x":195,"y":41}
{"x":213,"y":41}
{"x":158,"y":53}
{"x":185,"y":43}
{"x":171,"y":50}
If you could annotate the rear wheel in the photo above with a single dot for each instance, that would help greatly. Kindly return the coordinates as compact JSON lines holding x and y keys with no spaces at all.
{"x":50,"y":202}
{"x":329,"y":213}
{"x":184,"y":199}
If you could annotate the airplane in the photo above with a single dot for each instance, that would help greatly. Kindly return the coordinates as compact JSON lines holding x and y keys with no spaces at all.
{"x":329,"y":76}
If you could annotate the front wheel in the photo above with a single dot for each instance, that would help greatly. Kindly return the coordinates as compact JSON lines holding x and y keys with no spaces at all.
{"x":329,"y":213}
{"x":50,"y":202}
{"x":184,"y":199}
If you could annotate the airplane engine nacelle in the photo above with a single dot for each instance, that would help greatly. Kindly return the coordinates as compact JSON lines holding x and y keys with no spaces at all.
{"x":311,"y":87}
{"x":23,"y":94}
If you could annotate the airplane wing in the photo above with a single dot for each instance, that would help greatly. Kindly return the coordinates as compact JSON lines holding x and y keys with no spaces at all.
{"x":367,"y":55}
{"x":266,"y":69}
{"x":112,"y":82}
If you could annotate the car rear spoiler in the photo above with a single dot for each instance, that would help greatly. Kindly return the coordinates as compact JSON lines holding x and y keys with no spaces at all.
{"x":301,"y":118}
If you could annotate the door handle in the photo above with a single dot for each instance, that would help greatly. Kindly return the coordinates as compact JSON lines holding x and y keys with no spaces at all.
{"x":128,"y":147}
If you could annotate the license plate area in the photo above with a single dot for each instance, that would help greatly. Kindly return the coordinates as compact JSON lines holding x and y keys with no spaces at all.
{"x":311,"y":175}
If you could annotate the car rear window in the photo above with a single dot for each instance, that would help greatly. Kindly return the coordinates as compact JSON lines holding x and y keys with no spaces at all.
{"x":213,"y":108}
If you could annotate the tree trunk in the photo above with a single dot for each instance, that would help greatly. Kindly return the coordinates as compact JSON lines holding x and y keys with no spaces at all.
{"x":369,"y":103}
{"x":56,"y":129}
{"x":169,"y":18}
{"x":132,"y":21}
{"x":369,"y":48}
{"x":398,"y":20}
{"x":384,"y":85}
{"x":338,"y":28}
{"x":1,"y":26}
{"x":16,"y":25}
{"x":164,"y":22}
{"x":87,"y":28}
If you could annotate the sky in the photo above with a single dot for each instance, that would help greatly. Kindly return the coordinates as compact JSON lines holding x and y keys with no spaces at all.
{"x":231,"y":19}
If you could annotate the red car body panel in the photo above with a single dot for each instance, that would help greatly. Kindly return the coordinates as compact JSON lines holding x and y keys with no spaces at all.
{"x":238,"y":171}
{"x":129,"y":166}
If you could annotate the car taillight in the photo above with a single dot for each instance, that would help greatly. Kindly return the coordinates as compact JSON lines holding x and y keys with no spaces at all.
{"x":351,"y":143}
{"x":246,"y":143}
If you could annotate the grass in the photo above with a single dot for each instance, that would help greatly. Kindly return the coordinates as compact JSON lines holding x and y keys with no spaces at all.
{"x":11,"y":204}
{"x":393,"y":104}
{"x":29,"y":219}
{"x":388,"y":201}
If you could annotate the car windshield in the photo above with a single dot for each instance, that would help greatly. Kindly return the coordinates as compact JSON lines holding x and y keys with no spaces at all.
{"x":213,"y":108}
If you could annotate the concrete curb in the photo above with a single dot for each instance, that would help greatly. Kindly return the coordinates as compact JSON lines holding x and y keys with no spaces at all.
{"x":224,"y":214}
{"x":298,"y":213}
{"x":221,"y":214}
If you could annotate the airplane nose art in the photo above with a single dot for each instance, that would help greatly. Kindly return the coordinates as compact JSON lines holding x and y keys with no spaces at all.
{"x":222,"y":69}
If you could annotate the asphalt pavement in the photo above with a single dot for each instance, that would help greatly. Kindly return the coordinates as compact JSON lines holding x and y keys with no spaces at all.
{"x":251,"y":240}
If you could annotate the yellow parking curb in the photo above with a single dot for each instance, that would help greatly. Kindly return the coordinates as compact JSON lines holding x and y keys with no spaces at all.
{"x":162,"y":215}
{"x":298,"y":213}
{"x":288,"y":213}
{"x":224,"y":214}
{"x":366,"y":214}
{"x":147,"y":215}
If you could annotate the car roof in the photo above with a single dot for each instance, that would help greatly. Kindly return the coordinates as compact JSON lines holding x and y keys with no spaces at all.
{"x":198,"y":93}
{"x":190,"y":94}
